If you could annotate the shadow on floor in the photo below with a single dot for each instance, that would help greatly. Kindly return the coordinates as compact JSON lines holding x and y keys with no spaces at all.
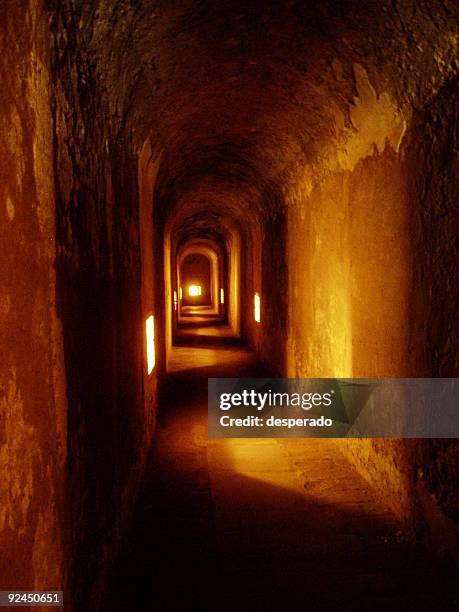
{"x":206,"y":536}
{"x":203,"y":340}
{"x":172,"y":561}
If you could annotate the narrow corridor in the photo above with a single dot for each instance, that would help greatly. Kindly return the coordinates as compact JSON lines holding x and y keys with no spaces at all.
{"x":200,"y":188}
{"x":259,"y":524}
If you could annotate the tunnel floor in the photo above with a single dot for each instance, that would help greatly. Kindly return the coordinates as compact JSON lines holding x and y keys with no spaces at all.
{"x":259,"y":524}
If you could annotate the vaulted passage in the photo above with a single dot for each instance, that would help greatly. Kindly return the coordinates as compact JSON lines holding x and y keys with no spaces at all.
{"x":191,"y":189}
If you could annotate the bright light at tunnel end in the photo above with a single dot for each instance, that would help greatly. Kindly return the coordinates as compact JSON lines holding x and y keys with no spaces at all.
{"x":150,"y":339}
{"x":194,"y":290}
{"x":222,"y":296}
{"x":257,"y":307}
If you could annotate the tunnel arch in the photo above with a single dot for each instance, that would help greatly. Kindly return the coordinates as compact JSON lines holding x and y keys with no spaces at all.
{"x":285,"y":145}
{"x":217,"y":259}
{"x":288,"y":146}
{"x":311,"y":141}
{"x":198,"y":230}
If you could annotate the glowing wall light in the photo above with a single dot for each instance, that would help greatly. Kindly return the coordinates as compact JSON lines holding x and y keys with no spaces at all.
{"x":180,"y":293}
{"x":222,"y":296}
{"x":175,"y":300}
{"x":150,"y":338}
{"x":194,"y":290}
{"x":257,"y":307}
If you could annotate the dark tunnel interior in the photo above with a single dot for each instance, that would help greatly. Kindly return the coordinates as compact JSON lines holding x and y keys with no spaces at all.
{"x":194,"y":190}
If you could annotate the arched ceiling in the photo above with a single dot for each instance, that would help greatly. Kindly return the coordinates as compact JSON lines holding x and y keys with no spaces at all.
{"x":241,"y":95}
{"x":212,"y":225}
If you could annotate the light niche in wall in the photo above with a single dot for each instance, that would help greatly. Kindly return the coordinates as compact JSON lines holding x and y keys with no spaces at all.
{"x":150,"y":343}
{"x":257,"y":308}
{"x":194,"y":290}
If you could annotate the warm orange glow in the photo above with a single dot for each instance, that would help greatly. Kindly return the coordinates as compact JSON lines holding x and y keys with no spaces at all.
{"x":175,"y":300}
{"x":180,"y":293}
{"x":222,"y":296}
{"x":150,"y":337}
{"x":194,"y":290}
{"x":257,"y":307}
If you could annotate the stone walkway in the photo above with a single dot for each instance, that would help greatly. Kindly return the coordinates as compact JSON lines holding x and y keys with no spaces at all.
{"x":260,"y":524}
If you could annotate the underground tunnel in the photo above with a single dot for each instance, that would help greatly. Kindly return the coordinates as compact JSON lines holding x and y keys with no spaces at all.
{"x":194,"y":190}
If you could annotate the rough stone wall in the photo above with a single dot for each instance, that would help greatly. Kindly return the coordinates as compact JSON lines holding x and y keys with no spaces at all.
{"x":432,"y":163}
{"x":152,"y":287}
{"x":373,"y":292}
{"x":100,"y":306}
{"x":422,"y":476}
{"x":33,"y":406}
{"x":349,"y":274}
{"x":251,"y":281}
{"x":274,"y":280}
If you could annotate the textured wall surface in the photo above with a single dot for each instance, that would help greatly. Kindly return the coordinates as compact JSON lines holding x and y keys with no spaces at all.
{"x":32,"y":382}
{"x":100,"y":304}
{"x":432,"y":162}
{"x":377,"y":296}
